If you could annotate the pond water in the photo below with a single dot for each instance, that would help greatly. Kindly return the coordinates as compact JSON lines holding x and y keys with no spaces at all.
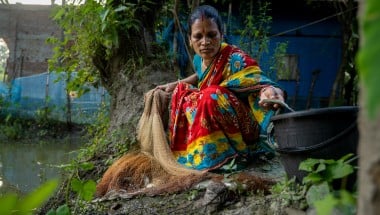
{"x":25,"y":166}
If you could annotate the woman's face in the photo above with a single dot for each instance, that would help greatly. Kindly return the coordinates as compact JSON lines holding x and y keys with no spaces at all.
{"x":205,"y":38}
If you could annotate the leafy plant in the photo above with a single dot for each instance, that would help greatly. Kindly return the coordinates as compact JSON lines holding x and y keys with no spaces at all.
{"x":12,"y":128}
{"x":317,"y":188}
{"x":321,"y":170}
{"x":277,"y":62}
{"x":321,"y":193}
{"x":84,"y":189}
{"x":289,"y":192}
{"x":338,"y":201}
{"x":93,"y":32}
{"x":255,"y":38}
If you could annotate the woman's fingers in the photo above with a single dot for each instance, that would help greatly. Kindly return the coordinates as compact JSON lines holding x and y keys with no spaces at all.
{"x":169,"y":87}
{"x":271,"y":93}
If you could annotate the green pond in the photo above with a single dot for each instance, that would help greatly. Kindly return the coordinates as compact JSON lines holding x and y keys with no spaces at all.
{"x":26,"y":165}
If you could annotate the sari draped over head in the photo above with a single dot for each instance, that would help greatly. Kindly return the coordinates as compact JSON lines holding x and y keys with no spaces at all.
{"x":219,"y":119}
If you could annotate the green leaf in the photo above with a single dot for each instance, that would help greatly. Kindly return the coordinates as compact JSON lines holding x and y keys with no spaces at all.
{"x":312,"y":178}
{"x":85,"y":190}
{"x":347,"y":197}
{"x":35,"y":199}
{"x":346,"y":157}
{"x":326,"y":205}
{"x":317,"y":192}
{"x":339,"y":202}
{"x":321,"y":167}
{"x":8,"y":203}
{"x":308,"y":164}
{"x":340,"y":170}
{"x":104,"y":14}
{"x":121,"y":8}
{"x":76,"y":185}
{"x":329,"y":161}
{"x":63,"y":210}
{"x":86,"y":166}
{"x":51,"y":212}
{"x":89,"y":190}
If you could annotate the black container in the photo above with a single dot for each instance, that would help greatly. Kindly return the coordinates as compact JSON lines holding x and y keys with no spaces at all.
{"x":325,"y":133}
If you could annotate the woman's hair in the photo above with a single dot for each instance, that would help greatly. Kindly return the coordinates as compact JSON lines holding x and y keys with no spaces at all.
{"x":208,"y":12}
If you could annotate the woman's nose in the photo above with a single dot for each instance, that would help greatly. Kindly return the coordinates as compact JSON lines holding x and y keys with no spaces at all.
{"x":205,"y":41}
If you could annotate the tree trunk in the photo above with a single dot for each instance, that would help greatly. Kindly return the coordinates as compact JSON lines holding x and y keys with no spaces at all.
{"x":369,"y":160}
{"x":369,"y":152}
{"x":131,"y":70}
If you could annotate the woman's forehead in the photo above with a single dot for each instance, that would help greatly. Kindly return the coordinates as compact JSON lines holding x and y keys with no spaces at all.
{"x":204,"y":24}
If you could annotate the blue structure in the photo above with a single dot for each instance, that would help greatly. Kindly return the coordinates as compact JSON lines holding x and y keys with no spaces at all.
{"x":314,"y":47}
{"x":29,"y":96}
{"x":318,"y":50}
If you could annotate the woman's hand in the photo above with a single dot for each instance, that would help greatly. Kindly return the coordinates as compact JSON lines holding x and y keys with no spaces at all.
{"x":272,"y":93}
{"x":169,"y":87}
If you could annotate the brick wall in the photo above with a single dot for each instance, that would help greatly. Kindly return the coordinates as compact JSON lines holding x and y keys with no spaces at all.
{"x":25,"y":29}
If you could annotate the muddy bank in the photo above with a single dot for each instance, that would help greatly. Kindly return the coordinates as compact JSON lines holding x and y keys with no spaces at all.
{"x":207,"y":197}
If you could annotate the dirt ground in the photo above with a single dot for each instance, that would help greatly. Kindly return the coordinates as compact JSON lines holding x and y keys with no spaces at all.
{"x":205,"y":198}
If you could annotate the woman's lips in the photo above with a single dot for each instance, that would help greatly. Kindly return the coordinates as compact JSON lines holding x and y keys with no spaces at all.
{"x":206,"y":50}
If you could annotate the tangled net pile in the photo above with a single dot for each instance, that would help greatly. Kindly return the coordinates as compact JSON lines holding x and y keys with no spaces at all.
{"x":153,"y":170}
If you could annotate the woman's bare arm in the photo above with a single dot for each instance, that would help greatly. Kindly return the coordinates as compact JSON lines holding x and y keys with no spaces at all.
{"x":169,"y":87}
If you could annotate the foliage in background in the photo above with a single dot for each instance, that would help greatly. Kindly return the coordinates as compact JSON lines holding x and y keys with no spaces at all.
{"x":80,"y":25}
{"x":367,"y":60}
{"x":91,"y":29}
{"x":254,"y":38}
{"x":278,"y":68}
{"x":14,"y":126}
{"x":344,"y":90}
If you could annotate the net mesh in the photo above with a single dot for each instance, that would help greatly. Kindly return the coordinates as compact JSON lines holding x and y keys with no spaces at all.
{"x":153,"y":170}
{"x":152,"y":135}
{"x":27,"y":96}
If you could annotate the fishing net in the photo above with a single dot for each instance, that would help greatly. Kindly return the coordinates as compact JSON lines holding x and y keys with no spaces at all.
{"x":153,"y":170}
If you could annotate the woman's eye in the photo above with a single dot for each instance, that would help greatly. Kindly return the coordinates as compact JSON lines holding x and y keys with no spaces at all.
{"x":211,"y":35}
{"x":197,"y":37}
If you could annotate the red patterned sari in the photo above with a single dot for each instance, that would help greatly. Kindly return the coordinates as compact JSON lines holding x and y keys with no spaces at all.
{"x":220,"y":119}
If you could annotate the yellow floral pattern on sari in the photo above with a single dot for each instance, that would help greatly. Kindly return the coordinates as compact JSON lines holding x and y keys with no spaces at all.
{"x":221,"y":119}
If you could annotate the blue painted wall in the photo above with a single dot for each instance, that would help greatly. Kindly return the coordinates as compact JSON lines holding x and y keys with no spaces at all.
{"x":318,"y":47}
